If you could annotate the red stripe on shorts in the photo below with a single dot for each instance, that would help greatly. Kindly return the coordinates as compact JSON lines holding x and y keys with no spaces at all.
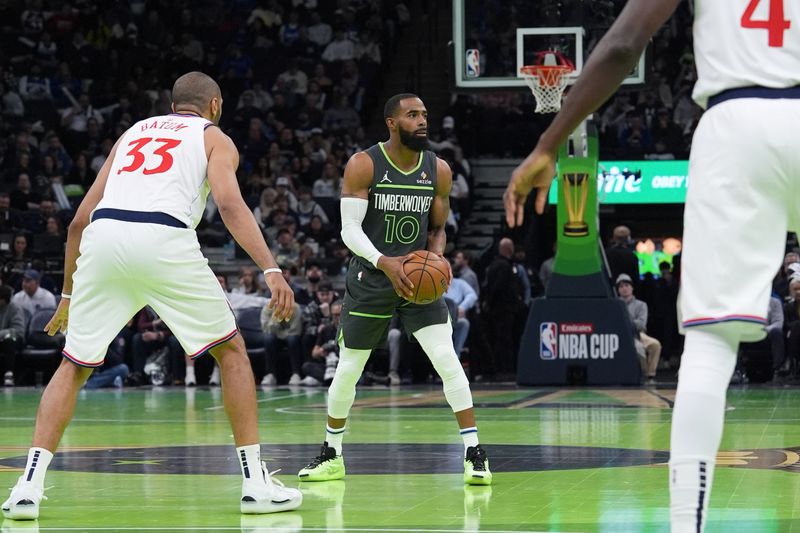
{"x":78,"y":361}
{"x":227,"y":337}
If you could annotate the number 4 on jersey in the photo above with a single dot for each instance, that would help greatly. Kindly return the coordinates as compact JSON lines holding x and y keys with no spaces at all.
{"x":775,"y":25}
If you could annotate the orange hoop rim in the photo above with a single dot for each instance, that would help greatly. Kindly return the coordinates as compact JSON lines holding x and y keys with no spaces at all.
{"x":534,"y":70}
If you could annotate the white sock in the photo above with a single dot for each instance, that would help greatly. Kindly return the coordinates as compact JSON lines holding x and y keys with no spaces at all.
{"x":334,"y":438}
{"x":190,"y":374}
{"x":36,"y":467}
{"x":250,"y":461}
{"x":708,"y":361}
{"x":470,"y":436}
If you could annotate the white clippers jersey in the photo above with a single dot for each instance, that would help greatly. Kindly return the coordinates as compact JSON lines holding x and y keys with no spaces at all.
{"x":742,"y":43}
{"x":161,"y":165}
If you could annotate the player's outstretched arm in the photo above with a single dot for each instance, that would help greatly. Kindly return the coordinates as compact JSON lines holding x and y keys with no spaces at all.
{"x":354,"y":204}
{"x":612,"y":59}
{"x":223,"y":158}
{"x":74,"y":233}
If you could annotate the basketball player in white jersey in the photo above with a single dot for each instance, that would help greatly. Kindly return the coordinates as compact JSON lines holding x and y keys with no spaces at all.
{"x":132,"y":243}
{"x":744,"y":180}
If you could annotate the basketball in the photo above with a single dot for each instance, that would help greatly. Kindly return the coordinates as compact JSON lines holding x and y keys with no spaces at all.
{"x":430,"y":275}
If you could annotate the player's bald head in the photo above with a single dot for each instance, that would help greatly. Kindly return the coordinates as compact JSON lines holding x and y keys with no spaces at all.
{"x":194,"y":89}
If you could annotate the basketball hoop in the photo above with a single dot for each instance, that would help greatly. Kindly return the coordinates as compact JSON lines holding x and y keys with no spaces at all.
{"x":547,"y":79}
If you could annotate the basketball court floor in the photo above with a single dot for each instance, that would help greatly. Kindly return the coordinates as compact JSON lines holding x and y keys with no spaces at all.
{"x":574,"y":460}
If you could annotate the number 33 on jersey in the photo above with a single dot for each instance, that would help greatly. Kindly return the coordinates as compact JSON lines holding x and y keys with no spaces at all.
{"x":160,"y":165}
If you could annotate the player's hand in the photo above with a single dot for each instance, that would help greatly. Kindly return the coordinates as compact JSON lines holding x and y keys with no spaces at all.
{"x":60,"y":318}
{"x":535,"y":172}
{"x":393,"y":268}
{"x":282,"y":301}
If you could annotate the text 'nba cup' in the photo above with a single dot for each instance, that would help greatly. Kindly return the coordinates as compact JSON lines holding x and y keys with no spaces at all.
{"x":576,"y":190}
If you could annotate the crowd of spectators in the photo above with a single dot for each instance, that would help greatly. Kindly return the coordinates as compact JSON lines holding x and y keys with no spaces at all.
{"x":299,"y":80}
{"x":783,"y":327}
{"x":300,"y":352}
{"x":652,"y":304}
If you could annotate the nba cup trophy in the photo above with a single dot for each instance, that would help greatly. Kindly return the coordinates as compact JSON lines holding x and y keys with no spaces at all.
{"x":576,"y":192}
{"x":579,"y":333}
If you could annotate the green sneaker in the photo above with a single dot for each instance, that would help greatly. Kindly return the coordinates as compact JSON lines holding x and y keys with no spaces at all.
{"x":476,"y":467}
{"x":327,"y":466}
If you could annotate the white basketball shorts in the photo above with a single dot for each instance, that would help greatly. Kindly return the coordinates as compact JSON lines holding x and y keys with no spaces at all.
{"x":744,"y":187}
{"x":125,"y":266}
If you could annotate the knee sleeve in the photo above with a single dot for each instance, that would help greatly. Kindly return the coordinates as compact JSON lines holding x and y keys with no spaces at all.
{"x":707,"y":365}
{"x":342,"y":391}
{"x":437,"y":342}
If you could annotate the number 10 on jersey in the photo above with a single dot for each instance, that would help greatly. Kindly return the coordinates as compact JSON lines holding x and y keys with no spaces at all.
{"x":405,"y":230}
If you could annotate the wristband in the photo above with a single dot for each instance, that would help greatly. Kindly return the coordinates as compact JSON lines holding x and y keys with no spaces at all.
{"x":66,"y":295}
{"x":273,"y":271}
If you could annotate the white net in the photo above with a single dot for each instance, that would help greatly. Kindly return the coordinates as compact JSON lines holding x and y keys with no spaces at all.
{"x":547,"y":84}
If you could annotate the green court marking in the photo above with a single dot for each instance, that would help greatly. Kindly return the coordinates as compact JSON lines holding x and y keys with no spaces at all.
{"x":745,"y":498}
{"x":369,"y":315}
{"x":589,"y":397}
{"x":278,"y":529}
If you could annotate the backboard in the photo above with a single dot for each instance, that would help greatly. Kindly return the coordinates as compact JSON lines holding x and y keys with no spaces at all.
{"x":494,"y":38}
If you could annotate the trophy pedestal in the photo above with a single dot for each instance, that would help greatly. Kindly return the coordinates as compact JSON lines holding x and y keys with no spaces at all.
{"x":580,"y":333}
{"x":573,"y":341}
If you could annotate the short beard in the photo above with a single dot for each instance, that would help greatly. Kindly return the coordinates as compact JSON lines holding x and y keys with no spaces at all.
{"x":411,"y":141}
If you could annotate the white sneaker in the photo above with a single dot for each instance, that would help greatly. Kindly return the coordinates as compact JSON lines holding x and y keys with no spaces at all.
{"x":23,"y":504}
{"x":394,"y":379}
{"x":8,"y":379}
{"x":310,"y":381}
{"x":269,"y":381}
{"x":214,"y":379}
{"x":267,"y":495}
{"x":295,"y":380}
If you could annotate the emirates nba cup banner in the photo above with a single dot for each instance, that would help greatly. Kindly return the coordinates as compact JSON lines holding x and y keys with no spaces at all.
{"x":580,"y":332}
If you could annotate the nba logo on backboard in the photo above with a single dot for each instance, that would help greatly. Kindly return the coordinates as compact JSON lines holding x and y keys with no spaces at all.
{"x":473,"y":63}
{"x":548,"y":341}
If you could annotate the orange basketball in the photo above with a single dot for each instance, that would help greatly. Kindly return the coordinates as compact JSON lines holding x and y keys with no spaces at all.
{"x":430,"y":275}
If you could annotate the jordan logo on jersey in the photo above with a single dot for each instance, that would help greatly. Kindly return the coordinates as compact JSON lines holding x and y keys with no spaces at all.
{"x":385,"y":177}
